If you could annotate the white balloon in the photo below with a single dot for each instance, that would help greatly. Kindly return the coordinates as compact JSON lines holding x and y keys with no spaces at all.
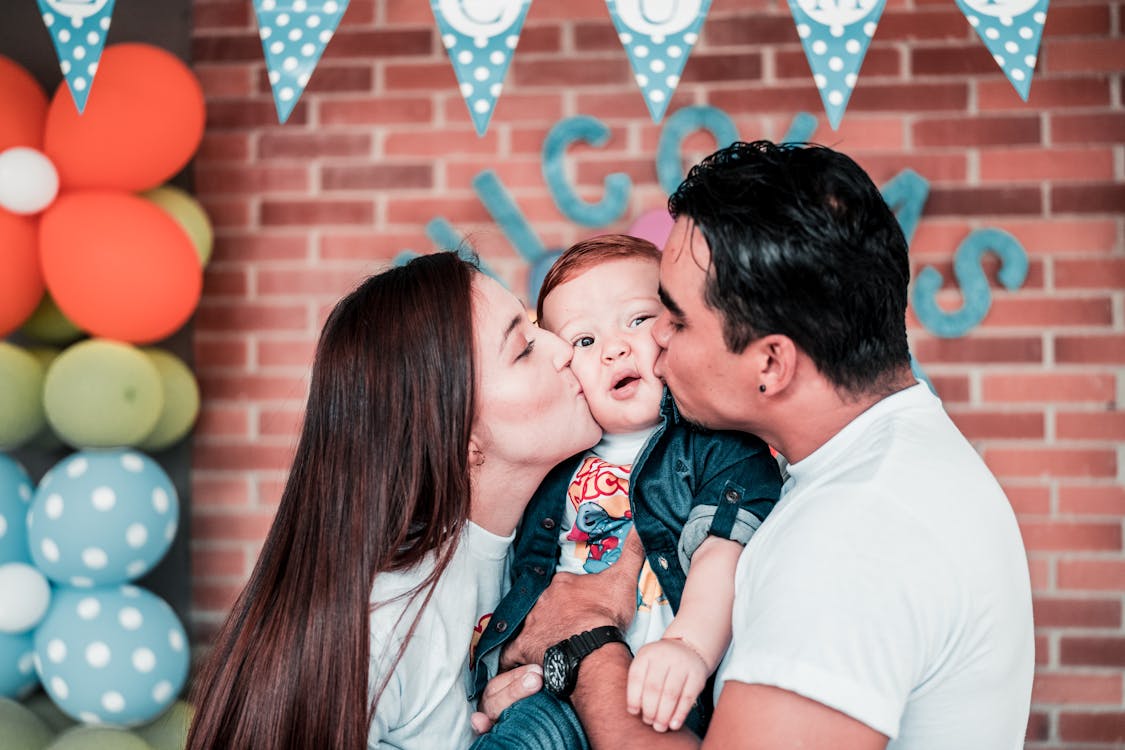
{"x":24,"y":597}
{"x":29,"y":181}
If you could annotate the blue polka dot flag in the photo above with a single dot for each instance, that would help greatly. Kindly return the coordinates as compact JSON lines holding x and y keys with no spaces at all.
{"x":658,"y":38}
{"x":1011,"y":30}
{"x":78,"y":28}
{"x":835,"y":35}
{"x":294,"y":34}
{"x":480,"y":37}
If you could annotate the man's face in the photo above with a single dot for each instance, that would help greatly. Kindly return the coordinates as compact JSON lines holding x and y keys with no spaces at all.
{"x":711,"y":385}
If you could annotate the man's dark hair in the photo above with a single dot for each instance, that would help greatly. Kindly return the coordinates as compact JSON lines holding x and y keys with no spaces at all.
{"x":803,"y":244}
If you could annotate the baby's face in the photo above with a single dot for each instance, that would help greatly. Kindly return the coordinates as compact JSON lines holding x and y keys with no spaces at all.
{"x":606,"y":313}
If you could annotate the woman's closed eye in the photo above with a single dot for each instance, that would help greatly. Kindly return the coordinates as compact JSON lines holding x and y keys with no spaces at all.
{"x":526,"y":350}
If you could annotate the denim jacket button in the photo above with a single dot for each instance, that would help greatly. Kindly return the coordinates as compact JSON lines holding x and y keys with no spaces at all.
{"x":501,"y":626}
{"x":547,"y":523}
{"x":538,"y":570}
{"x":731,"y":496}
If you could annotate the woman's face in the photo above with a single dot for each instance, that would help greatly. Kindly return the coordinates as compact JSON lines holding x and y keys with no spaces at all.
{"x":530,"y":409}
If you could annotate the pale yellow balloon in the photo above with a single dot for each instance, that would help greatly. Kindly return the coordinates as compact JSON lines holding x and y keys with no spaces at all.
{"x":189,"y":214}
{"x":49,"y":324}
{"x":181,"y":401}
{"x":21,"y":396}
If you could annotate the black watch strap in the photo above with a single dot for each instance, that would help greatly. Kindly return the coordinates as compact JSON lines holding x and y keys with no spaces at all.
{"x":584,"y":644}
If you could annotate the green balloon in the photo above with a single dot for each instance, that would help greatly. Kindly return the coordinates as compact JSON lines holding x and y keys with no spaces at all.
{"x":50,"y":325}
{"x":181,"y":401}
{"x":103,"y":394}
{"x":187,"y":212}
{"x":21,"y":396}
{"x":21,"y":728}
{"x":46,"y":709}
{"x":170,"y":730}
{"x":98,"y":738}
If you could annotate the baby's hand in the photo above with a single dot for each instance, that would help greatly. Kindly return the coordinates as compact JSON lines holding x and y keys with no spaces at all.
{"x":664,"y":680}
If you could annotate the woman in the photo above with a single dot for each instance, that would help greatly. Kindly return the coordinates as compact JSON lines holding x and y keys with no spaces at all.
{"x":435,"y":410}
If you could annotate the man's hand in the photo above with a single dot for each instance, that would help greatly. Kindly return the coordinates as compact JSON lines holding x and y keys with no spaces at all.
{"x":664,"y":680}
{"x":576,"y":603}
{"x":502,"y":691}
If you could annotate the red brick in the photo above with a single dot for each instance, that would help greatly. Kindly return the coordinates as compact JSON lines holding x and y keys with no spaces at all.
{"x":209,"y":491}
{"x":616,"y":107}
{"x":287,"y":352}
{"x":383,"y":246}
{"x":261,"y":245}
{"x":1077,"y":19}
{"x":860,"y":133}
{"x":1070,"y":536}
{"x":511,"y":107}
{"x":571,"y":73}
{"x":1046,"y":93}
{"x":419,"y":75}
{"x":919,"y":23}
{"x":1088,"y":350}
{"x":213,"y":316}
{"x":1108,"y":426}
{"x":226,"y":214}
{"x":951,"y":388}
{"x":442,"y":142}
{"x":966,"y":201}
{"x":878,"y":62}
{"x":1040,"y":571}
{"x":220,"y":15}
{"x":1092,"y":651}
{"x":306,"y":282}
{"x":1048,"y":388}
{"x":971,"y":58}
{"x":950,"y":298}
{"x":313,"y":213}
{"x":313,"y":145}
{"x":216,"y":180}
{"x":229,"y":81}
{"x":247,"y":525}
{"x":210,"y":353}
{"x":375,"y":111}
{"x":1028,"y":500}
{"x":1084,"y":55}
{"x":383,"y":176}
{"x":1054,"y":462}
{"x":1088,"y":129}
{"x":422,"y":209}
{"x":571,"y":10}
{"x":702,"y":67}
{"x":223,"y":147}
{"x":281,"y":423}
{"x":216,"y":420}
{"x":214,"y":596}
{"x":915,"y":97}
{"x":1056,"y":235}
{"x":1038,"y":726}
{"x":751,"y":30}
{"x":213,"y":561}
{"x":978,"y":131}
{"x":1102,"y":500}
{"x":1065,"y":612}
{"x":1092,"y":727}
{"x":224,"y":282}
{"x":367,"y":45}
{"x":979,"y":349}
{"x":524,"y":172}
{"x":1038,"y":164}
{"x":237,"y":457}
{"x":1026,"y":310}
{"x":1100,"y":198}
{"x":1091,"y":575}
{"x":977,"y":425}
{"x":537,"y":38}
{"x":1076,"y":687}
{"x":1107,"y":273}
{"x":242,"y":47}
{"x":250,"y":114}
{"x":329,"y":79}
{"x":250,"y":386}
{"x":939,"y":235}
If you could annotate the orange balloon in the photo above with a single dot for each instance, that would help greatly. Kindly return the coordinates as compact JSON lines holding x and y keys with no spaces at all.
{"x":119,"y":266}
{"x":23,"y":107}
{"x":21,"y":281}
{"x":143,"y":121}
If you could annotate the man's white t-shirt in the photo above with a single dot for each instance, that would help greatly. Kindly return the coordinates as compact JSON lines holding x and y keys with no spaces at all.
{"x":891,"y":583}
{"x":425,"y":703}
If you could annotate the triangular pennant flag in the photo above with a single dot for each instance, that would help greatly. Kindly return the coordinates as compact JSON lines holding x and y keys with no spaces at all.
{"x":835,"y":35}
{"x":294,"y":34}
{"x":480,"y":37}
{"x":658,"y":44}
{"x":1011,"y":30}
{"x":78,"y":28}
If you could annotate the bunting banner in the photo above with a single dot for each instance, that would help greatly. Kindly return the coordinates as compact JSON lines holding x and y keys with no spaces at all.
{"x":658,"y":38}
{"x":480,"y":37}
{"x":1011,"y":30}
{"x":78,"y":28}
{"x":835,"y":35}
{"x":294,"y":34}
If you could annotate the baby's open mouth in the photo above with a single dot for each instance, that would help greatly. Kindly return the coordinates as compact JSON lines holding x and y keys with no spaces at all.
{"x":625,"y":381}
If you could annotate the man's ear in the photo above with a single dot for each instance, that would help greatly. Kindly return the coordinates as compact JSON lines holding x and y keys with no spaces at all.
{"x":775,"y":362}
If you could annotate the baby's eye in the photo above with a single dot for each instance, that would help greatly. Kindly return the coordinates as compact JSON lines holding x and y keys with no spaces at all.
{"x":583,"y":341}
{"x":640,"y":319}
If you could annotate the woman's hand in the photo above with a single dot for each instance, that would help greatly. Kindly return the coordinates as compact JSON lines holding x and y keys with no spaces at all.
{"x":502,"y":691}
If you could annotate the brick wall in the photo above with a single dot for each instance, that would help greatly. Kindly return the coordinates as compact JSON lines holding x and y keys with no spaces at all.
{"x":381,"y":143}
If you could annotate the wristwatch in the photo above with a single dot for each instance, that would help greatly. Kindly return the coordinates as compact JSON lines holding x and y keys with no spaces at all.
{"x":560,"y":662}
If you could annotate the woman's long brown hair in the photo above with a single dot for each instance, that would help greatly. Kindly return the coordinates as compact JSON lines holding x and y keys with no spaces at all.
{"x":380,"y":479}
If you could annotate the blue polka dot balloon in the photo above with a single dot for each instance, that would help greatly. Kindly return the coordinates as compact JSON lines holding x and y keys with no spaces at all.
{"x":15,"y":498}
{"x":17,"y":665}
{"x":111,"y":655}
{"x":102,"y":517}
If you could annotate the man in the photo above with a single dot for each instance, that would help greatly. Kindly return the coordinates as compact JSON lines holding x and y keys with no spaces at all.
{"x":886,"y":601}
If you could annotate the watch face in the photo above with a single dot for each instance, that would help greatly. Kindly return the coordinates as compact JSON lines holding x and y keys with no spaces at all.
{"x":554,"y":670}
